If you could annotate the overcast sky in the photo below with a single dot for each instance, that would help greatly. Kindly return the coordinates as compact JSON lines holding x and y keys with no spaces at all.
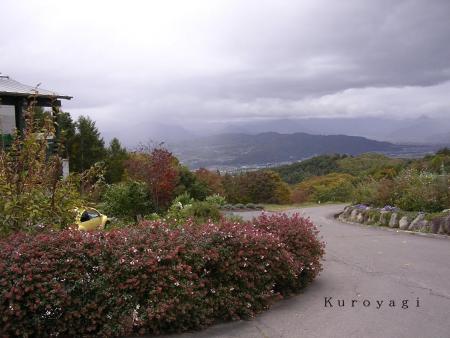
{"x":135,"y":61}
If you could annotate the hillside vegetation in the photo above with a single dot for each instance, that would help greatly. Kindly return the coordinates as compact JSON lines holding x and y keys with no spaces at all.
{"x":372,"y":179}
{"x":366,"y":164}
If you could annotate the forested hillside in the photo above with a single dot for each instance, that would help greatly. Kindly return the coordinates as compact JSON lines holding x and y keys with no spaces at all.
{"x":366,"y":164}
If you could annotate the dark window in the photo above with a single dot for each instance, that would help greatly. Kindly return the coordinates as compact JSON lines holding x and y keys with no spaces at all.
{"x":88,"y":215}
{"x":84,"y":217}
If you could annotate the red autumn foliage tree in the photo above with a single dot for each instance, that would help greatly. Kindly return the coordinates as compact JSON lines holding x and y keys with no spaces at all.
{"x":158,"y":168}
{"x":211,"y":179}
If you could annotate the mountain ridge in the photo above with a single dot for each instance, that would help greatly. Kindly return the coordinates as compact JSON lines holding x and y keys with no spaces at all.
{"x":239,"y":149}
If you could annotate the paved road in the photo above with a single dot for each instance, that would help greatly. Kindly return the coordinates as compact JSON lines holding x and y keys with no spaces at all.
{"x":362,"y":263}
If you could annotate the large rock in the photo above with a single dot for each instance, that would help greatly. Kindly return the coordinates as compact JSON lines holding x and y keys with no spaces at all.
{"x":353,"y":215}
{"x":403,"y":224}
{"x":393,"y":222}
{"x":440,"y":225}
{"x":436,"y":225}
{"x":446,"y":225}
{"x":346,"y":212}
{"x":417,"y":223}
{"x":424,"y":225}
{"x":360,"y":217}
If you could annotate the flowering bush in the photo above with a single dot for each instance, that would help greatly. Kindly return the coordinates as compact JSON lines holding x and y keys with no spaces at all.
{"x":300,"y":237}
{"x":152,"y":278}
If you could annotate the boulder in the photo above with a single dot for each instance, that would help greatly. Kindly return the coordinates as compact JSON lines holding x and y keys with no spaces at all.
{"x":446,"y":225}
{"x":393,"y":222}
{"x":416,"y":224}
{"x":353,"y":215}
{"x":424,"y":225}
{"x":403,"y":224}
{"x":360,"y":217}
{"x":436,"y":224}
{"x":346,"y":212}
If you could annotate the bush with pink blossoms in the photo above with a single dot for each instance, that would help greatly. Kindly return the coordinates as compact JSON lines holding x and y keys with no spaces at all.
{"x":152,"y":278}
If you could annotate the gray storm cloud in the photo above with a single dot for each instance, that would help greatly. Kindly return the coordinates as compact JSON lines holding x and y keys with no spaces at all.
{"x":223,"y":60}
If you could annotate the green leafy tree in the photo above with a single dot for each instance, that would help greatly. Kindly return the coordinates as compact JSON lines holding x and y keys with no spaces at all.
{"x":211,"y":179}
{"x":88,"y":146}
{"x":116,"y":156}
{"x":188,"y":182}
{"x":256,"y":187}
{"x":332,"y":187}
{"x":127,"y":200}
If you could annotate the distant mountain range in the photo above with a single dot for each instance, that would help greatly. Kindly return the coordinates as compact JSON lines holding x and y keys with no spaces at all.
{"x":237,"y":149}
{"x":421,"y":130}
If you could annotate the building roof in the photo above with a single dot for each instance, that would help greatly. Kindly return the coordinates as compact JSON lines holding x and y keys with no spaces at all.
{"x":11,"y":87}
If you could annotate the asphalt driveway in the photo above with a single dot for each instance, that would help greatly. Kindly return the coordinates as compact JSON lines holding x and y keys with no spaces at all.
{"x":384,"y":274}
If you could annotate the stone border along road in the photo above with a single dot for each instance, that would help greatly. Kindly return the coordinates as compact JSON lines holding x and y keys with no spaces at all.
{"x":370,"y":266}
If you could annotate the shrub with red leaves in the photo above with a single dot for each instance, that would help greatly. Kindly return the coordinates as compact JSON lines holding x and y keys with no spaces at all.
{"x":300,"y":237}
{"x":151,"y":278}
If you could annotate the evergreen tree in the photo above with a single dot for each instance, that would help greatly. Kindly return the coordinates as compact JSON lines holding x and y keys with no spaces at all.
{"x":67,"y":132}
{"x":115,"y":161}
{"x":88,"y":146}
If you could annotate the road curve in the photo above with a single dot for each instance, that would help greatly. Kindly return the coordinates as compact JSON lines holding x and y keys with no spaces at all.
{"x":369,"y":267}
